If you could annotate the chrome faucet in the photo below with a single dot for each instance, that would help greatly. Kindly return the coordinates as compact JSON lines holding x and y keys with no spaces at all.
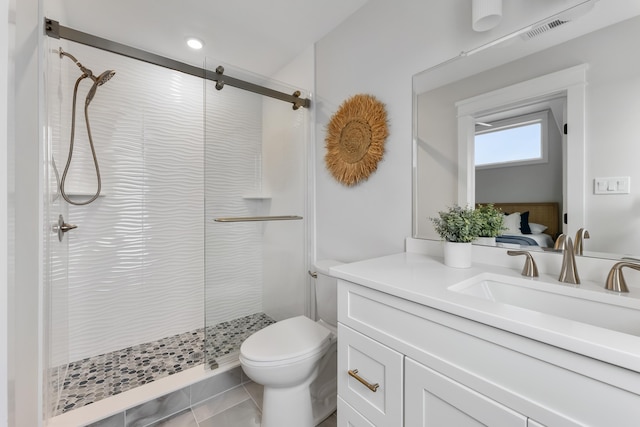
{"x":530,"y":268}
{"x":615,"y":279}
{"x":568,"y":271}
{"x":580,"y":236}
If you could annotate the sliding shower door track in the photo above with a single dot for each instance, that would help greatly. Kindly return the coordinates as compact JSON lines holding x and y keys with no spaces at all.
{"x":55,"y":30}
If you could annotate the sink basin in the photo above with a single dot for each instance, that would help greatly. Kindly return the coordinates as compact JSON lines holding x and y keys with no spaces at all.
{"x":587,"y":304}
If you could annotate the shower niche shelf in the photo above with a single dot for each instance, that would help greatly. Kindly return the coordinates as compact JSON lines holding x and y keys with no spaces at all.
{"x":83,"y":193}
{"x":80,"y":192}
{"x":256,"y":196}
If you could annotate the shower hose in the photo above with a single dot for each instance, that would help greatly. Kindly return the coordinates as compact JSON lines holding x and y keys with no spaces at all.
{"x":85,"y":73}
{"x":71,"y":142}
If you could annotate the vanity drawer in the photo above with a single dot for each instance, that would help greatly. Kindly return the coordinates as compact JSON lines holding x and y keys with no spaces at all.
{"x":349,"y":417}
{"x":370,"y":377}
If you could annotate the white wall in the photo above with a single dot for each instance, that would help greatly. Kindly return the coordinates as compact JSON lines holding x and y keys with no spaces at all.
{"x":376,"y":51}
{"x":4,"y":208}
{"x":612,"y":129}
{"x":25,"y":385}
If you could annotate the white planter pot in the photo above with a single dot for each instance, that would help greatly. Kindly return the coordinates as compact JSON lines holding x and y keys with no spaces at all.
{"x":485,"y":241}
{"x":457,"y":255}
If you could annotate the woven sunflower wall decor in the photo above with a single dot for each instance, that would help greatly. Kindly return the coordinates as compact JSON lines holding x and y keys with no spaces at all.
{"x":355,"y":139}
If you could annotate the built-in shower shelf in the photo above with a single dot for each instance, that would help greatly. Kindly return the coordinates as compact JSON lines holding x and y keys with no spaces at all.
{"x":83,"y":193}
{"x":79,"y":195}
{"x":256,"y":196}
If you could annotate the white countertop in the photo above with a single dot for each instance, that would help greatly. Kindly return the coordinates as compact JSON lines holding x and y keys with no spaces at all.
{"x":425,"y":280}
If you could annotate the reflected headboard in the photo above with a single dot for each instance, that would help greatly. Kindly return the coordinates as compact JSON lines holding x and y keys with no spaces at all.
{"x":545,"y":213}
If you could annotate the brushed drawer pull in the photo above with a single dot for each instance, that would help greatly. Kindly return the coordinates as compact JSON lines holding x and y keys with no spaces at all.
{"x":354,"y":373}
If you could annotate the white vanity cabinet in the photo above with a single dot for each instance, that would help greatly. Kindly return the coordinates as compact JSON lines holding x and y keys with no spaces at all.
{"x":434,"y":368}
{"x":435,"y":400}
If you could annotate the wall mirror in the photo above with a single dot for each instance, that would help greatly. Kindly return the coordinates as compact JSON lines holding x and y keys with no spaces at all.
{"x":584,"y":85}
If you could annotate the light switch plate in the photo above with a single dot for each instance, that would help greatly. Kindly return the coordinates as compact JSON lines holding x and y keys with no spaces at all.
{"x":612,"y":185}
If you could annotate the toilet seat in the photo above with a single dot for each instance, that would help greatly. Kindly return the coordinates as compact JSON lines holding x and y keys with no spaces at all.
{"x":286,"y":342}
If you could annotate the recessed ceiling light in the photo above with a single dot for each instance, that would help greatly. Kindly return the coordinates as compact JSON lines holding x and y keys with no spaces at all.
{"x":194,"y":43}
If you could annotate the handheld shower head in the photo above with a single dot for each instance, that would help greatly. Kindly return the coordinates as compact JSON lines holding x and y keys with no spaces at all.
{"x":98,"y":81}
{"x":105,"y":77}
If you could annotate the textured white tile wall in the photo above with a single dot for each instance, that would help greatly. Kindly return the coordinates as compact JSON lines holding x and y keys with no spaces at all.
{"x":135,"y":266}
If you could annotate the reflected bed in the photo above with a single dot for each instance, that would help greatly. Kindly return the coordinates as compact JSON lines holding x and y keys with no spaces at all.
{"x":540,"y":223}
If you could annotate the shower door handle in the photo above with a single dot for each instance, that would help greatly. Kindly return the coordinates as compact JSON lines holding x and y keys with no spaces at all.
{"x":66,"y":227}
{"x":63,"y":227}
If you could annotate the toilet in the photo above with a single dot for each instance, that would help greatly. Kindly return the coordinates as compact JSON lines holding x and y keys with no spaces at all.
{"x":296,"y":361}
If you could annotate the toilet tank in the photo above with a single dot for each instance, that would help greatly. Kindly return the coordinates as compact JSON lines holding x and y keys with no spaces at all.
{"x":327,"y":292}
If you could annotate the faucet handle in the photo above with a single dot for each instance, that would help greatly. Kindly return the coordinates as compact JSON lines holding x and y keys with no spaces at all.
{"x":615,"y":279}
{"x":530,"y":268}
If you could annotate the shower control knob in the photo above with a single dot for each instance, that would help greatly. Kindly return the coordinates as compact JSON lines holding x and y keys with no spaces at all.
{"x":63,"y":227}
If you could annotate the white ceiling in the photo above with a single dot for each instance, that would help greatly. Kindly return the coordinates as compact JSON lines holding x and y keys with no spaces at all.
{"x":260,"y":36}
{"x":257,"y":35}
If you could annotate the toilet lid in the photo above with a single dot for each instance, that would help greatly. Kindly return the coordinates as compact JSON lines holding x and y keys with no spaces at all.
{"x":288,"y":339}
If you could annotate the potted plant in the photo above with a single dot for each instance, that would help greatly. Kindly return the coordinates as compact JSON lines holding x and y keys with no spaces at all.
{"x":490,"y":224}
{"x":458,"y":227}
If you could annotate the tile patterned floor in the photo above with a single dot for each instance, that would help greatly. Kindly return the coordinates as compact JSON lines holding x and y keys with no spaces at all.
{"x":95,"y":378}
{"x":238,"y":407}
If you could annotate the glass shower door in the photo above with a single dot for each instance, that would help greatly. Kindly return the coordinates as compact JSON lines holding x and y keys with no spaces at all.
{"x":255,"y":213}
{"x":56,"y":248}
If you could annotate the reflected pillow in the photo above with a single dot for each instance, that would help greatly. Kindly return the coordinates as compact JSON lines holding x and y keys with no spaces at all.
{"x":537,"y":228}
{"x":512,"y":223}
{"x":524,"y":223}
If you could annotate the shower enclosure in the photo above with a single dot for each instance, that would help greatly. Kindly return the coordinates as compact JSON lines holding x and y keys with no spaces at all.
{"x":198,"y":236}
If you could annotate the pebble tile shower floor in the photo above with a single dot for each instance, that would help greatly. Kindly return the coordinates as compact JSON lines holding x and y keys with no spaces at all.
{"x":95,"y":378}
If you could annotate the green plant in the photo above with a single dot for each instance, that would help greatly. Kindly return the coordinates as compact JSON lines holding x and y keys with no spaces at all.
{"x":457,"y":224}
{"x":490,"y":220}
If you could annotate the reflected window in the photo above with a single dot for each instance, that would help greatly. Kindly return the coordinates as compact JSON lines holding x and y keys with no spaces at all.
{"x":509,"y":142}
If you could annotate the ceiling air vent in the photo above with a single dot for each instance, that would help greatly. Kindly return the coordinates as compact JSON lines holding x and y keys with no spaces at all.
{"x":541,"y":29}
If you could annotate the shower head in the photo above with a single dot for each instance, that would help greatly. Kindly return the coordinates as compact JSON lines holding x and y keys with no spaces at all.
{"x":104,"y":77}
{"x":98,"y":81}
